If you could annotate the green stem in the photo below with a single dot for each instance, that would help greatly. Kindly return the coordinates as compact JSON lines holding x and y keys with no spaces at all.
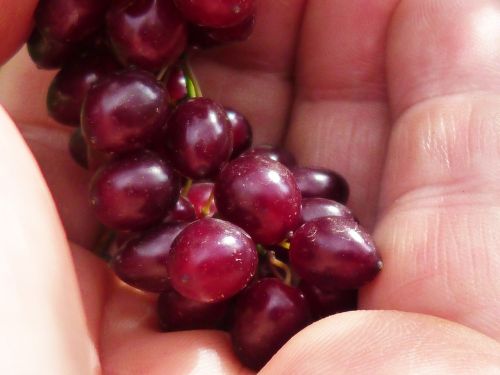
{"x":193,"y":88}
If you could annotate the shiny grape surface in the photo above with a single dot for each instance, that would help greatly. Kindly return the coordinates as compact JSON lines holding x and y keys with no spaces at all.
{"x":142,"y":261}
{"x":124,"y":112}
{"x":267,"y":315}
{"x":259,"y":195}
{"x":211,"y":260}
{"x":134,"y":192}
{"x":149,"y":34}
{"x":334,"y":253}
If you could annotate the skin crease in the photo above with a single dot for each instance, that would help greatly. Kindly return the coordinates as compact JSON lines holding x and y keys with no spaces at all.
{"x":405,"y":93}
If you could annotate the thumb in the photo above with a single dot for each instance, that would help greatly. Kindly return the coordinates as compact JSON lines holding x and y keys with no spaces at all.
{"x":42,"y":321}
{"x":15,"y":25}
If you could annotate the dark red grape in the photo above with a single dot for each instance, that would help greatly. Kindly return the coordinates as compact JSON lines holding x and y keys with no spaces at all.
{"x":324,"y":304}
{"x":275,"y":153}
{"x":216,"y":13}
{"x":47,"y":53}
{"x":334,"y":253}
{"x":183,"y":211}
{"x":134,"y":191}
{"x":207,"y":37}
{"x":78,"y":149}
{"x":314,"y":208}
{"x":199,"y":194}
{"x":70,"y":20}
{"x":147,"y":33}
{"x":199,"y":138}
{"x":176,"y":84}
{"x":69,"y":87}
{"x":211,"y":260}
{"x":242,"y":132}
{"x":142,"y":261}
{"x":261,"y":196}
{"x":267,"y":315}
{"x":178,"y":313}
{"x":321,"y":183}
{"x":124,"y":112}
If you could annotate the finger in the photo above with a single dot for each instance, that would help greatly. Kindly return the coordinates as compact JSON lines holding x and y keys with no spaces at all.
{"x":255,"y":77}
{"x":438,"y":232}
{"x":386,"y":342}
{"x":340,"y":116}
{"x":94,"y":282}
{"x":15,"y":25}
{"x":67,"y":181}
{"x":133,"y":344}
{"x":23,"y":90}
{"x":42,"y":322}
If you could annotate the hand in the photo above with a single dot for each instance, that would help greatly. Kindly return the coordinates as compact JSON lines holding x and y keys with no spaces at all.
{"x":401,"y":97}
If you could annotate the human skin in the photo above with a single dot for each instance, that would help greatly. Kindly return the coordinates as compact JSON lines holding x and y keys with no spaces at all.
{"x":401,"y":97}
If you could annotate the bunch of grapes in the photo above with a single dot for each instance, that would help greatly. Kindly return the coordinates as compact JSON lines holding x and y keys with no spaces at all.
{"x":231,"y":237}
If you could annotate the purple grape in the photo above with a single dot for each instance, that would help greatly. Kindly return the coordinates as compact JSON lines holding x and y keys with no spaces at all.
{"x":78,"y":149}
{"x":70,"y":20}
{"x":259,"y":195}
{"x":325,"y":304}
{"x":267,"y":315}
{"x":47,"y":53}
{"x":321,"y":183}
{"x":242,"y":132}
{"x":149,"y":34}
{"x":134,"y":192}
{"x":334,"y":253}
{"x":199,"y":195}
{"x":314,"y":208}
{"x":275,"y":153}
{"x":216,"y":13}
{"x":176,"y":84}
{"x":178,"y":313}
{"x":211,"y":260}
{"x":207,"y":37}
{"x":199,"y":138}
{"x":183,"y":211}
{"x":69,"y":87}
{"x":142,"y":261}
{"x":124,"y":112}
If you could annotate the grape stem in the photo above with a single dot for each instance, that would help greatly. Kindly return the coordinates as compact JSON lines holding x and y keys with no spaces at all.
{"x":285,"y":244}
{"x":278,"y":264}
{"x":193,"y":88}
{"x":187,"y":187}
{"x":205,"y":211}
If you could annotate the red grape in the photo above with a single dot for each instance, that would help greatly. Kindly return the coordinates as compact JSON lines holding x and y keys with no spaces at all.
{"x":242,"y":132}
{"x":70,"y":20}
{"x":142,"y":261}
{"x":267,"y":315}
{"x":314,"y":208}
{"x":178,"y":313}
{"x":199,"y":138}
{"x":211,"y":260}
{"x":275,"y":153}
{"x":334,"y":253}
{"x":133,"y":192}
{"x":216,"y":13}
{"x":124,"y":112}
{"x":70,"y":86}
{"x":199,"y":195}
{"x":78,"y":149}
{"x":47,"y":53}
{"x":149,"y":34}
{"x":259,"y":195}
{"x":321,"y":183}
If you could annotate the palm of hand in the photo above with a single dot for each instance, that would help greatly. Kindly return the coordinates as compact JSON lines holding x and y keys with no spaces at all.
{"x":399,"y":96}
